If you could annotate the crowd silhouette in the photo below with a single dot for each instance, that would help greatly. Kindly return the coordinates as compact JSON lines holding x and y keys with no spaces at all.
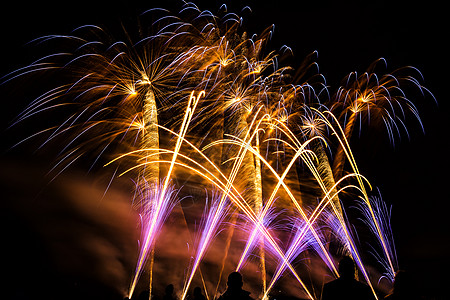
{"x":234,"y":288}
{"x":345,"y":287}
{"x":198,"y":294}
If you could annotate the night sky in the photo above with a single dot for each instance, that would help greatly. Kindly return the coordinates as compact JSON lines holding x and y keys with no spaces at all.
{"x":412,"y":175}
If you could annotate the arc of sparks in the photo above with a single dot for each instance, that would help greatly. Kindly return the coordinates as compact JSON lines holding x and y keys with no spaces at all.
{"x":190,"y":109}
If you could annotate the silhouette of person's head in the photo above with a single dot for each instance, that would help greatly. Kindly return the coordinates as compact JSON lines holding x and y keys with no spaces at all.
{"x":347,"y":268}
{"x":235,"y":281}
{"x":169,"y":289}
{"x":197,"y":291}
{"x":144,"y":295}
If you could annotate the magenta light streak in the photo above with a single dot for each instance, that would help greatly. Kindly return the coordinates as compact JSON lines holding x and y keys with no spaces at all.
{"x":255,"y":236}
{"x":154,"y":211}
{"x":214,"y":216}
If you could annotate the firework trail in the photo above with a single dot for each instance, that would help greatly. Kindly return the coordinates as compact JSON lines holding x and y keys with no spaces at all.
{"x":383,"y":218}
{"x":159,"y":209}
{"x":153,"y":212}
{"x":214,"y":216}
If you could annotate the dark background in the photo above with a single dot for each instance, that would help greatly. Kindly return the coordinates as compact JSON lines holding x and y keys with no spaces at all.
{"x":348,"y":35}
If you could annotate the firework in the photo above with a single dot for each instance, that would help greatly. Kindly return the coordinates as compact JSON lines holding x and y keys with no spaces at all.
{"x":194,"y":99}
